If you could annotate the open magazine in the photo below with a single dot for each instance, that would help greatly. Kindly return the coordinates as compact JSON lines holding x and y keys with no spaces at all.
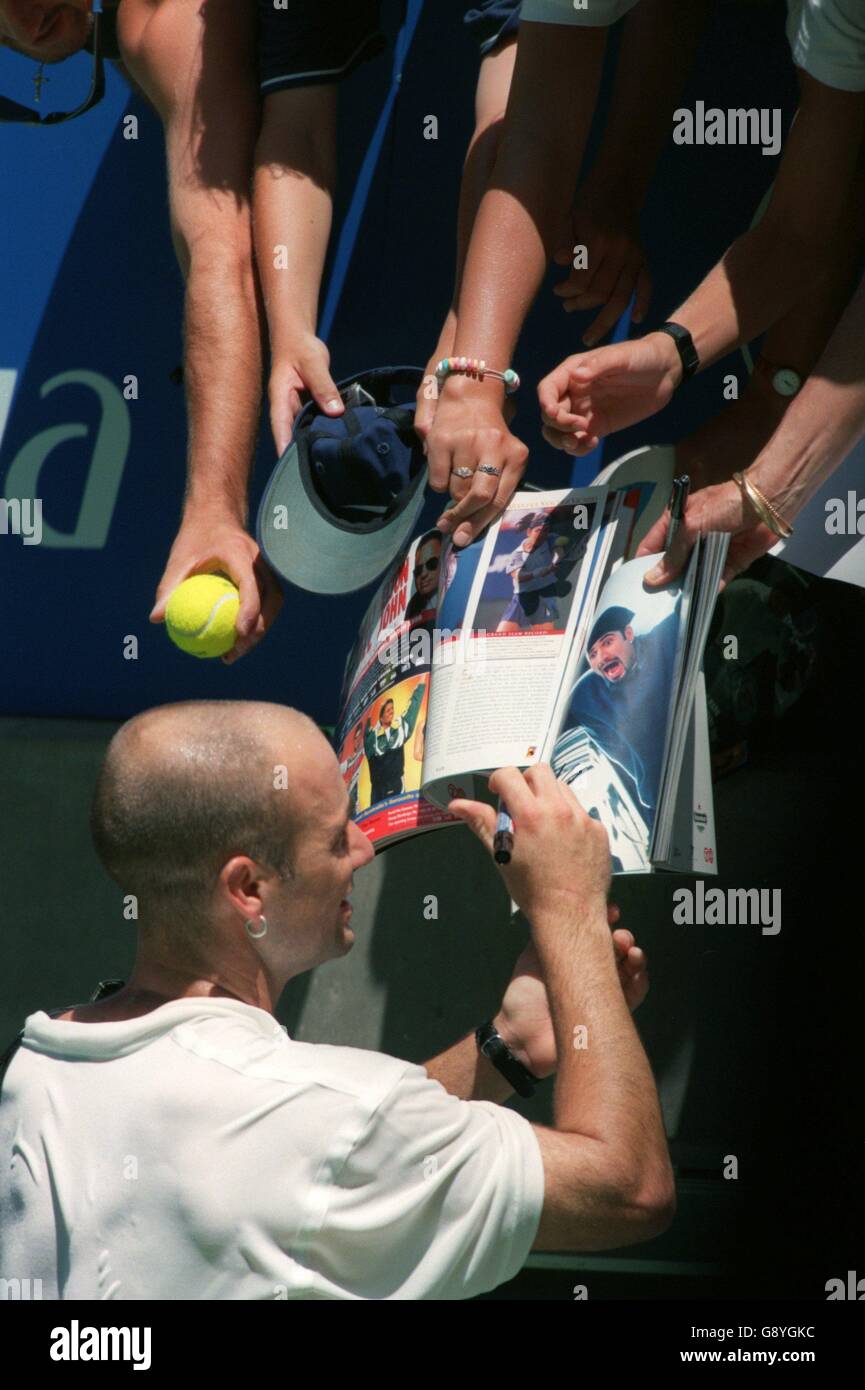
{"x":539,"y":643}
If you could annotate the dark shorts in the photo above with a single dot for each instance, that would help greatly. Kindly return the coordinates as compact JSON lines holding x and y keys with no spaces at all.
{"x":537,"y":606}
{"x":315,"y":41}
{"x":492,"y":21}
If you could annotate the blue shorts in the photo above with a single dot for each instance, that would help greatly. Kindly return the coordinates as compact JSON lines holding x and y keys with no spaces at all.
{"x":537,"y":606}
{"x":492,"y":21}
{"x":315,"y":41}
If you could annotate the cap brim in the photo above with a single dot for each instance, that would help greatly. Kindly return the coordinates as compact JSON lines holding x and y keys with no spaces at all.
{"x":310,"y":547}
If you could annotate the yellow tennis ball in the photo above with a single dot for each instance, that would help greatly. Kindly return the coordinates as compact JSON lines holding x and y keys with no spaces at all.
{"x":201,"y":613}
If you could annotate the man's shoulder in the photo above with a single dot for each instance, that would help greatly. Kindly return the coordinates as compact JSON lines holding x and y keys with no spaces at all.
{"x":661,"y":637}
{"x":241,"y":1046}
{"x":589,"y":685}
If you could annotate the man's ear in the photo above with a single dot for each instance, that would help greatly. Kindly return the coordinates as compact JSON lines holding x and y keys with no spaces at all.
{"x":628,"y":633}
{"x":241,"y":879}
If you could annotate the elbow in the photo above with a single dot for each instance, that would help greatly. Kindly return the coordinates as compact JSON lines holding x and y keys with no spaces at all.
{"x":651,"y":1204}
{"x":644,"y":1197}
{"x":226,"y":262}
{"x":658,"y":1209}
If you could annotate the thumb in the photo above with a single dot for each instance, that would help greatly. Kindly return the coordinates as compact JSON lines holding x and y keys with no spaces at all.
{"x":167,"y":584}
{"x":322,"y":388}
{"x":424,"y":414}
{"x":479,"y":817}
{"x":157,"y":612}
{"x":672,"y":563}
{"x":653,"y":541}
{"x":591,"y":365}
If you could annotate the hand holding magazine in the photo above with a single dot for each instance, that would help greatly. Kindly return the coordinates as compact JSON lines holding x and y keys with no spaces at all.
{"x":539,"y":642}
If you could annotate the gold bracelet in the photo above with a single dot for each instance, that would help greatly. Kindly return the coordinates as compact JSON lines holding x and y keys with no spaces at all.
{"x":763,"y":507}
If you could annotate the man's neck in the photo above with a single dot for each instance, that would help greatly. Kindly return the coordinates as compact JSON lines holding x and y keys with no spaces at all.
{"x":154,"y":983}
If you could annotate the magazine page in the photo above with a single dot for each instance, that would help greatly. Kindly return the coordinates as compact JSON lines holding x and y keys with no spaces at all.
{"x":707,"y":561}
{"x":617,"y":712}
{"x":692,"y":837}
{"x":631,"y":503}
{"x":624,"y":506}
{"x":380,"y":730}
{"x":518,"y":604}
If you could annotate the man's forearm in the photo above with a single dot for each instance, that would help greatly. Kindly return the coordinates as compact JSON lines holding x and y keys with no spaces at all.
{"x":466,"y":1073}
{"x":223,"y":383}
{"x":197,"y":65}
{"x":604,"y":1086}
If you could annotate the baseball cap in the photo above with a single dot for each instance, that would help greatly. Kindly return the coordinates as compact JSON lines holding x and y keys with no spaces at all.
{"x":614,"y":619}
{"x":345,"y":496}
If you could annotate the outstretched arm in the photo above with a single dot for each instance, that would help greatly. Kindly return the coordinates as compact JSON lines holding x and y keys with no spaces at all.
{"x":757,"y":280}
{"x":659,"y":39}
{"x":196,"y":63}
{"x":550,"y":108}
{"x":295,"y":172}
{"x":821,"y":426}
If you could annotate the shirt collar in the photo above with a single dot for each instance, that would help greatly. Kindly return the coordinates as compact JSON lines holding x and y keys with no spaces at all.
{"x":102,"y":1041}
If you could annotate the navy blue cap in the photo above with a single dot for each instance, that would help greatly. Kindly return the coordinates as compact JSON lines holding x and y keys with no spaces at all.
{"x":346,"y":494}
{"x":614,"y":619}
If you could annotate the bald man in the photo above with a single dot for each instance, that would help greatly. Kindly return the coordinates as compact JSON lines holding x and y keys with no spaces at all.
{"x":171,"y":1141}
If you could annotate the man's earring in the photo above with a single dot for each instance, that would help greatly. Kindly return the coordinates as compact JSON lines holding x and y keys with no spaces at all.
{"x":249,"y":927}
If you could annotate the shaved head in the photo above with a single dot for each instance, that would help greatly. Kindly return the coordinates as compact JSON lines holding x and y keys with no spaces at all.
{"x":185,"y":787}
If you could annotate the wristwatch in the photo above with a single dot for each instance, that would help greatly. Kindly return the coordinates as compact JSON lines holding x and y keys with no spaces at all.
{"x":786,"y":381}
{"x":496,"y":1050}
{"x":688,"y":355}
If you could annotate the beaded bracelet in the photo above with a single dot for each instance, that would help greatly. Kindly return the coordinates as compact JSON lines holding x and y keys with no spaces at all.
{"x":476,"y":367}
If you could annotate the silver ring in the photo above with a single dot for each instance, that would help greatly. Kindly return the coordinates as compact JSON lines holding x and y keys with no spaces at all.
{"x":463,"y":472}
{"x":491,"y":469}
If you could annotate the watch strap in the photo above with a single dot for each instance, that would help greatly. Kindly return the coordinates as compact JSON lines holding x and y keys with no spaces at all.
{"x":496,"y":1050}
{"x":688,"y":355}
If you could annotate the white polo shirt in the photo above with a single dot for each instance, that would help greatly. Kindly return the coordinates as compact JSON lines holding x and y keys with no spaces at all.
{"x":198,"y":1152}
{"x":827,"y":39}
